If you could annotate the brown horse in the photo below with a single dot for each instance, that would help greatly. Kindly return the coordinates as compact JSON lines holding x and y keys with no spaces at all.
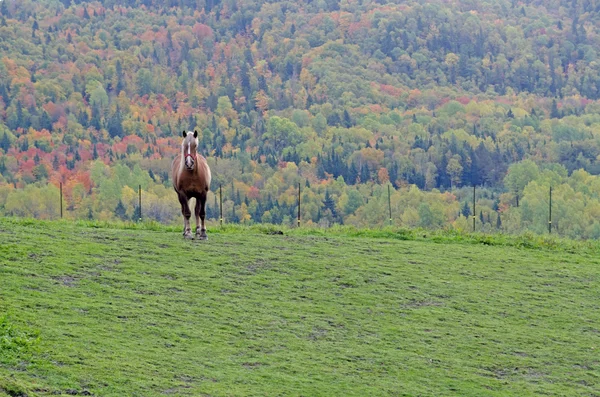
{"x":191,"y":178}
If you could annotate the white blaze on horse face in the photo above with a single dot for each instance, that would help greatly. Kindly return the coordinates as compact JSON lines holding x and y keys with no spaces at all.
{"x":189,"y":160}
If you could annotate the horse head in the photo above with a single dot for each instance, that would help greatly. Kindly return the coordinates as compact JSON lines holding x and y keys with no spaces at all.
{"x":188,"y":148}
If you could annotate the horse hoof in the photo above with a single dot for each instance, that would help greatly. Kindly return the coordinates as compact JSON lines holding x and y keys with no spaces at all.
{"x":188,"y":236}
{"x":203,"y":237}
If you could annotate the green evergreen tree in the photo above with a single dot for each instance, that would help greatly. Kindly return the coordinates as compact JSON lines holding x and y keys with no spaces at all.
{"x":554,"y":112}
{"x":115,"y":124}
{"x":96,"y":118}
{"x":120,"y":77}
{"x":347,"y":119}
{"x":5,"y":142}
{"x":120,"y":211}
{"x":4,"y":9}
{"x":365,"y":174}
{"x":329,"y":204}
{"x":466,"y":209}
{"x":234,"y":216}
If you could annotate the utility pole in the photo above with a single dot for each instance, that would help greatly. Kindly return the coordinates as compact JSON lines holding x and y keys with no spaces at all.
{"x":140,"y":201}
{"x":390,"y":204}
{"x":298,"y":204}
{"x":474,"y":208}
{"x":550,"y":213}
{"x":221,"y":204}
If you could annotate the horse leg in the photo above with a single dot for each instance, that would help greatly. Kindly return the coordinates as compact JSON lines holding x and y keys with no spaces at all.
{"x":201,"y":213}
{"x":185,"y":211}
{"x":197,"y":213}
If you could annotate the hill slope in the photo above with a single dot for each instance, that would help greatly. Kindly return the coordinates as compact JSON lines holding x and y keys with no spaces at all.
{"x":338,"y":96}
{"x":134,"y":312}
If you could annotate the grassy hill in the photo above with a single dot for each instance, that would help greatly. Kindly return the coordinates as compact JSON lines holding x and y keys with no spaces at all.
{"x":116,"y":311}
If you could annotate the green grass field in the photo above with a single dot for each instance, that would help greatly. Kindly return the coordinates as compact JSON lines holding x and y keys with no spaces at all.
{"x":138,"y":311}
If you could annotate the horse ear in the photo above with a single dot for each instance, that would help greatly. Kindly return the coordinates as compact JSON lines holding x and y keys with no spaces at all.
{"x":184,"y":133}
{"x":195,"y":134}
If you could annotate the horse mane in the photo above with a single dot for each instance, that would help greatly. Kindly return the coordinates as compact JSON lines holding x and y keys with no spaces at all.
{"x":182,"y":159}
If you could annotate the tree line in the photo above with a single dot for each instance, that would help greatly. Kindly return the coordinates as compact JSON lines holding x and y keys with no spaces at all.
{"x":421,"y":96}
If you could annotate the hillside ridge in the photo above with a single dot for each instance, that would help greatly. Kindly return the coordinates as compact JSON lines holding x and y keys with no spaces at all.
{"x":343,"y":98}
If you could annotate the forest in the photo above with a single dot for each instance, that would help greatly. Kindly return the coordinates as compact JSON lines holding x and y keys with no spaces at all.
{"x":343,"y":98}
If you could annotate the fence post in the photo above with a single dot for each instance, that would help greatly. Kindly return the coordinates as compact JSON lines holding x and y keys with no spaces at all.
{"x":390,"y":204}
{"x":474,"y":212}
{"x":216,"y":207}
{"x":61,"y":202}
{"x":298,"y":204}
{"x":550,"y":213}
{"x":140,"y":201}
{"x":221,"y":204}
